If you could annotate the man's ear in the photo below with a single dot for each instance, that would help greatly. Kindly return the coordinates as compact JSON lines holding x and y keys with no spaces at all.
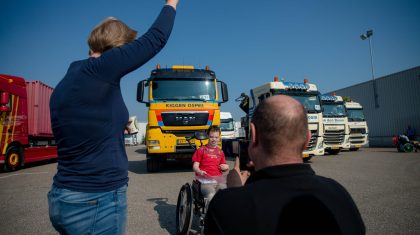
{"x":253,"y":135}
{"x":308,"y":138}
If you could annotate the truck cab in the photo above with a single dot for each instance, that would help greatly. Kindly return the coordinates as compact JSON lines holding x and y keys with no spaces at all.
{"x":336,"y":131}
{"x":307,"y":94}
{"x":357,"y":124}
{"x":227,"y":127}
{"x":182,"y":100}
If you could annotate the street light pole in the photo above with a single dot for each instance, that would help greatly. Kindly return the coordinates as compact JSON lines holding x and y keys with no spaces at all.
{"x":368,"y":35}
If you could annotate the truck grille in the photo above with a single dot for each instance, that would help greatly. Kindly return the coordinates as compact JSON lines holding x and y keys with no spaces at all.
{"x":184,"y":149}
{"x":185,"y":118}
{"x":357,"y":139}
{"x":312,"y":142}
{"x":333,"y":137}
{"x":357,"y":131}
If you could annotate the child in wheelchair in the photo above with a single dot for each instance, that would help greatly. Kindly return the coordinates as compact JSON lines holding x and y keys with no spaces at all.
{"x":209,"y":163}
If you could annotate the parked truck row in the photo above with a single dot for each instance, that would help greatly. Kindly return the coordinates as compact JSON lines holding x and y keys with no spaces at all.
{"x":182,"y":101}
{"x":334,"y":123}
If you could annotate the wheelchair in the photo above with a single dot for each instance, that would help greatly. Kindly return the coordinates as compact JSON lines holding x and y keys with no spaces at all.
{"x":405,"y":145}
{"x":191,"y":202}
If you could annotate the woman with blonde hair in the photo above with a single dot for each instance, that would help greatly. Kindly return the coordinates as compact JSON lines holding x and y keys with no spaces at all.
{"x":88,"y":117}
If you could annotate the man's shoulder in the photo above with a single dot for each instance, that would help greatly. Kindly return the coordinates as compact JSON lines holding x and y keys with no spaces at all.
{"x":232,"y":197}
{"x":228,"y":193}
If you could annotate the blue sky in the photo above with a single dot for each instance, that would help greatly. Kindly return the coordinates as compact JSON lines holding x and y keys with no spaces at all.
{"x":246,"y":42}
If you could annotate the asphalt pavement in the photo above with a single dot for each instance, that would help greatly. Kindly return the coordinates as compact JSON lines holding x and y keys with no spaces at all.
{"x":385,"y":185}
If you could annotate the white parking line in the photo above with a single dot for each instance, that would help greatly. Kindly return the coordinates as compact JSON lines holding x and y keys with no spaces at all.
{"x":35,"y":173}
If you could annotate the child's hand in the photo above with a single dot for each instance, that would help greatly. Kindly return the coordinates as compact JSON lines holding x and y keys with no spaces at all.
{"x":224,"y":167}
{"x":202,"y":173}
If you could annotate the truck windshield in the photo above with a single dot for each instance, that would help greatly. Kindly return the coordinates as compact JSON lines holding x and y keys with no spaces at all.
{"x":183,"y":89}
{"x":355,"y":115}
{"x":309,"y":101}
{"x":226,"y":125}
{"x":334,"y":110}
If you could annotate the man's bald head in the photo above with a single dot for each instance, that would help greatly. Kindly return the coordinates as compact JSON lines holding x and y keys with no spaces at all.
{"x":281,"y":123}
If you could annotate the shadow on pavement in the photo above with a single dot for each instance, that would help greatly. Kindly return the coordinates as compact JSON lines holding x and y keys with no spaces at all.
{"x":139,"y":167}
{"x":141,"y":150}
{"x":166,"y":213}
{"x":29,"y":165}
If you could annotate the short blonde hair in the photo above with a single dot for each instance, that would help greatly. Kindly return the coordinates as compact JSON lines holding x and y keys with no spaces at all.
{"x":110,"y":33}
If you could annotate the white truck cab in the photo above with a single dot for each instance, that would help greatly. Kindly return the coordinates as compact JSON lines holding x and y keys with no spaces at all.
{"x":306,"y":93}
{"x":336,"y":130}
{"x":227,"y":127}
{"x":357,"y":124}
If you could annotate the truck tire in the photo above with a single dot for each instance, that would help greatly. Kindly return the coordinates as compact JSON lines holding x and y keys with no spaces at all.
{"x":153,"y":163}
{"x":354,"y":149}
{"x":13,"y":159}
{"x":307,"y":159}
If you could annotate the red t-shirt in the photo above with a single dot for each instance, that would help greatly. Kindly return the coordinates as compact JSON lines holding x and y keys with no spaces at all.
{"x":210,"y":159}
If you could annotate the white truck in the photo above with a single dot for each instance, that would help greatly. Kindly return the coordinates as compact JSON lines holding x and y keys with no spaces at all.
{"x":336,"y":130}
{"x":227,"y":127}
{"x":357,"y":124}
{"x":305,"y":93}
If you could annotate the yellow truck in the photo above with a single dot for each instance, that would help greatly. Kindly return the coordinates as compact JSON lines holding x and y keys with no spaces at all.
{"x":182,"y":100}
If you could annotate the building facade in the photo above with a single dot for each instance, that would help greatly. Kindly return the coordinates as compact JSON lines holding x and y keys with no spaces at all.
{"x":397,"y":107}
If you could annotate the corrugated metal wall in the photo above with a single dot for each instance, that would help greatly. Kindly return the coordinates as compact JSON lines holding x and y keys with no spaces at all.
{"x":399,"y":105}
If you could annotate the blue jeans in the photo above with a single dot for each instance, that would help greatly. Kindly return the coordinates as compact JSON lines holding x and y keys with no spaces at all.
{"x":74,"y":212}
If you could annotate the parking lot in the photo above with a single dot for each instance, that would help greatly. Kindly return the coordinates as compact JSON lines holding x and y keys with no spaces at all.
{"x":384,"y":183}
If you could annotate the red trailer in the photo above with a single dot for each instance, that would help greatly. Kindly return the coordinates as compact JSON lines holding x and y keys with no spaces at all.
{"x":25,"y":125}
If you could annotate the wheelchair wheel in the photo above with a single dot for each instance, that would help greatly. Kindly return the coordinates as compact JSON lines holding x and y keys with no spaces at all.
{"x":408,"y":147}
{"x":184,"y":209}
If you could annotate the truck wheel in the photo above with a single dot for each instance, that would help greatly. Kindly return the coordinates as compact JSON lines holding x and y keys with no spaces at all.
{"x":13,"y":159}
{"x":354,"y":149}
{"x":153,"y":163}
{"x":307,"y":159}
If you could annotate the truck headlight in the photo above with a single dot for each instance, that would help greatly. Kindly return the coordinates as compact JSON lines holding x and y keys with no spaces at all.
{"x":153,"y":142}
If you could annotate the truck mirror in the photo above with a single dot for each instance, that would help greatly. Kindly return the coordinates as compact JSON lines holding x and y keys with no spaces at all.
{"x":201,"y":135}
{"x":4,"y":98}
{"x":225,"y":95}
{"x":4,"y":102}
{"x":140,"y":91}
